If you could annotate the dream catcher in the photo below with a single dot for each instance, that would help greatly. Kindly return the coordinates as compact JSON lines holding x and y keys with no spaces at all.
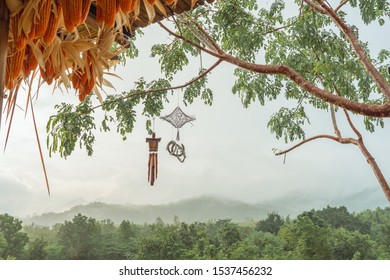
{"x":153,"y":161}
{"x":177,"y":119}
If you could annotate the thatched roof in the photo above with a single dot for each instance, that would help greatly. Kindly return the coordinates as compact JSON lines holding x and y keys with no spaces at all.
{"x":71,"y":45}
{"x":142,"y":20}
{"x":180,"y":7}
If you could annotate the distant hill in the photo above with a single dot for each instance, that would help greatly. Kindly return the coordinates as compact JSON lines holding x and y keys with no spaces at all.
{"x":366,"y":199}
{"x":295,"y":203}
{"x":211,"y":208}
{"x":198,"y":209}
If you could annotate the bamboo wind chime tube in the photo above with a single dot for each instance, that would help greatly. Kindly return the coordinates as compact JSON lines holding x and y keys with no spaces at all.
{"x":4,"y":27}
{"x":152,"y":168}
{"x":153,"y":161}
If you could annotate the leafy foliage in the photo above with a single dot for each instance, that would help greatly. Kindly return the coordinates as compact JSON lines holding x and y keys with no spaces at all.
{"x":12,"y":239}
{"x":371,"y":10}
{"x":78,"y":237}
{"x":250,"y":87}
{"x":287,"y":123}
{"x":271,"y":224}
{"x":172,"y":57}
{"x":198,"y":89}
{"x":69,"y":126}
{"x":330,"y":233}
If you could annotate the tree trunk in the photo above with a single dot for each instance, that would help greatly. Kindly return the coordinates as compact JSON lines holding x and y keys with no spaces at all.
{"x":377,"y":171}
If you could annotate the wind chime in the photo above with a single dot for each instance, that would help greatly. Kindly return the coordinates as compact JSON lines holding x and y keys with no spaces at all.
{"x":177,"y":119}
{"x":153,"y":161}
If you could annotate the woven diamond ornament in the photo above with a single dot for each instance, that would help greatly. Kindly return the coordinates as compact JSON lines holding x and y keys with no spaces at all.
{"x":178,"y":118}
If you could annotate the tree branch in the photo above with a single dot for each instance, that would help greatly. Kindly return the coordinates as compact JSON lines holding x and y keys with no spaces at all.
{"x":357,"y":132}
{"x":370,"y":159}
{"x":370,"y":110}
{"x":380,"y":111}
{"x":332,"y":111}
{"x":205,"y":34}
{"x":212,"y":53}
{"x":315,"y":7}
{"x":341,"y":5}
{"x":374,"y":166}
{"x":359,"y":142}
{"x":335,"y":126}
{"x":209,"y":44}
{"x":363,"y":58}
{"x":322,"y":136}
{"x":150,"y":91}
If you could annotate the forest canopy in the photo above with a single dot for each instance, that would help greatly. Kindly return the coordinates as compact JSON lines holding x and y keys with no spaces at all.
{"x":330,"y":233}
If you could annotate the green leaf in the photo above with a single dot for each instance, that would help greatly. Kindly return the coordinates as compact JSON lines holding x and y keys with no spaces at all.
{"x":288,"y":123}
{"x":198,"y":89}
{"x":69,"y":126}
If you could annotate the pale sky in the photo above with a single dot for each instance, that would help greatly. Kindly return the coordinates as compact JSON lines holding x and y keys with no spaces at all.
{"x":229,"y":151}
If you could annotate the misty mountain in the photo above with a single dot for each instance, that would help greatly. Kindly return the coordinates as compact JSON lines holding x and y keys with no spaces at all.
{"x":295,"y":203}
{"x":198,"y":209}
{"x":365,"y":199}
{"x":211,"y":208}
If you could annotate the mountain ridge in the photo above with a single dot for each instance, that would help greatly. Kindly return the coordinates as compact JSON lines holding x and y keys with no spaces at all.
{"x":190,"y":210}
{"x":208,"y":208}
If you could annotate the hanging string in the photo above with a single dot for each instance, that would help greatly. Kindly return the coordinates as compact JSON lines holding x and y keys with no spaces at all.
{"x":178,"y":103}
{"x":201,"y":60}
{"x":178,"y":99}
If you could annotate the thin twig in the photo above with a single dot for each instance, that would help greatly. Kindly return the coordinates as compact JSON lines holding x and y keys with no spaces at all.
{"x":301,"y":7}
{"x":189,"y":41}
{"x":201,"y":38}
{"x":177,"y":25}
{"x":315,"y":7}
{"x":322,"y":136}
{"x":327,"y":2}
{"x":353,"y":127}
{"x":357,"y":132}
{"x":334,"y":121}
{"x":205,"y":34}
{"x":332,"y":111}
{"x":333,"y":115}
{"x":341,"y":5}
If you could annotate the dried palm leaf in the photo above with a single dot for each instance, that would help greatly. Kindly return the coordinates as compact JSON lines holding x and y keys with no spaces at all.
{"x":150,"y":10}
